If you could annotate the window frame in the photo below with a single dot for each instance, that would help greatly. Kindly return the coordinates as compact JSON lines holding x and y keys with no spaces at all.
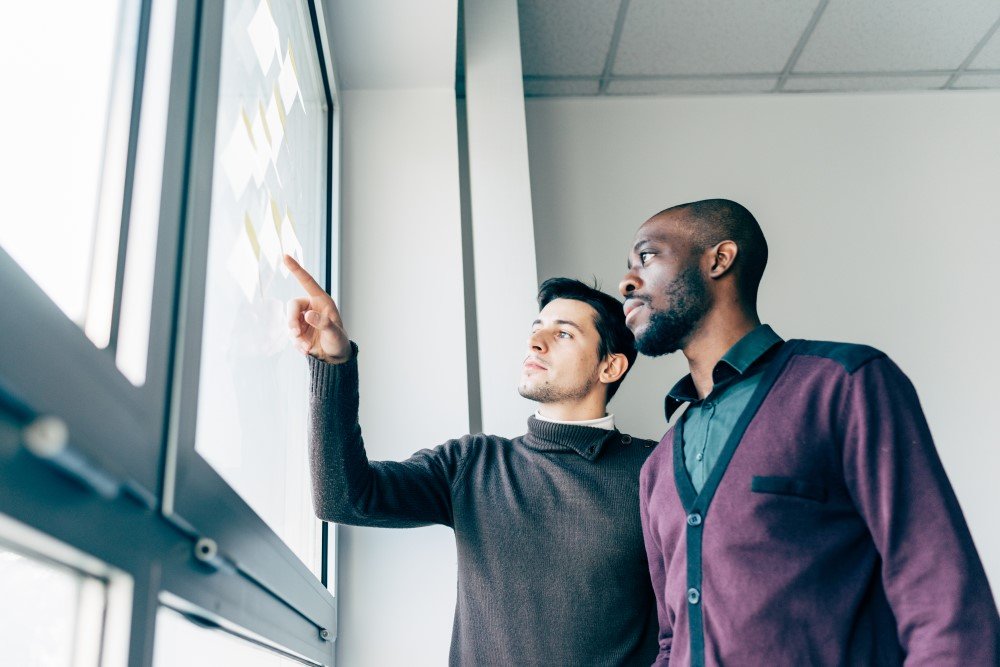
{"x":261,"y":585}
{"x":195,"y":496}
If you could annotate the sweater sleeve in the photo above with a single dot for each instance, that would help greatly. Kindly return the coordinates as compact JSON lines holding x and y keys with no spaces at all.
{"x":931,"y":573}
{"x":657,"y":574}
{"x":350,"y":489}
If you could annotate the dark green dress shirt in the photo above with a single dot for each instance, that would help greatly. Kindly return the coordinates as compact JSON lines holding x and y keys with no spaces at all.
{"x":708,"y":422}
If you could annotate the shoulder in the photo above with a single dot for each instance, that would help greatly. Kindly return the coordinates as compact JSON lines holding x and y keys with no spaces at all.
{"x":659,"y":461}
{"x":635,"y":449}
{"x":480,"y":441}
{"x":850,"y":356}
{"x":639,"y":443}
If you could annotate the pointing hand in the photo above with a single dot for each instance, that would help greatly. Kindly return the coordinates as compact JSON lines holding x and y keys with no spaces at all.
{"x":314,"y":322}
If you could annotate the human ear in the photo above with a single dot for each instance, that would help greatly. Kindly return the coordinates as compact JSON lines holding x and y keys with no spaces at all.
{"x":723,"y":257}
{"x":613,"y":368}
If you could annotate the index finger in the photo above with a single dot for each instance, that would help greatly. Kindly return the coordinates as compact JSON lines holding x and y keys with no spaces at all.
{"x":311,"y":287}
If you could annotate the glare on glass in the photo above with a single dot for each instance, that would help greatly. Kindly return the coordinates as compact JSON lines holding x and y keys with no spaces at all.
{"x":50,"y":615}
{"x":66,"y":118}
{"x":268,"y":198}
{"x":67,"y":123}
{"x":181,"y":642}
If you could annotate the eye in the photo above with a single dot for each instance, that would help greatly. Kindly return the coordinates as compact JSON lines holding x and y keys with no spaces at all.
{"x":644,"y":256}
{"x":564,"y":334}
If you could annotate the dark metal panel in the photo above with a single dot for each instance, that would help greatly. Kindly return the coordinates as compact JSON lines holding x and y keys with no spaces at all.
{"x":209,"y":507}
{"x":49,"y":365}
{"x":154,"y":553}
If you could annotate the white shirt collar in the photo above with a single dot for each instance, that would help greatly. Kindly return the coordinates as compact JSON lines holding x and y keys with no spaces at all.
{"x":606,"y":422}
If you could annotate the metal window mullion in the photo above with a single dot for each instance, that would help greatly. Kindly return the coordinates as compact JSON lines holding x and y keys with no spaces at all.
{"x":142,"y":47}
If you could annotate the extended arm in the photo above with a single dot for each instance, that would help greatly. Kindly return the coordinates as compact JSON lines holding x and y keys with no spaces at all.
{"x":347,"y":487}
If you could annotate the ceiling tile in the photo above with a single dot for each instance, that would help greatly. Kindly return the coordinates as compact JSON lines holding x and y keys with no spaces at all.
{"x":710,"y":37}
{"x":978,"y":81}
{"x":863,"y":83}
{"x":691,"y":86}
{"x":565,"y":87}
{"x":565,"y":37}
{"x":896,"y":35}
{"x":989,"y":57}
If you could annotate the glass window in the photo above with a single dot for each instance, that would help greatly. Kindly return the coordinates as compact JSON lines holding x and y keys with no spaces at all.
{"x":69,"y":140}
{"x":140,"y":259}
{"x":50,"y":615}
{"x":181,"y":642}
{"x":268,"y":198}
{"x":66,"y":148}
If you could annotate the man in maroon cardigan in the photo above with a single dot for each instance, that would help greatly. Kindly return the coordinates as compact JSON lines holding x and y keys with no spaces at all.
{"x":797,"y":513}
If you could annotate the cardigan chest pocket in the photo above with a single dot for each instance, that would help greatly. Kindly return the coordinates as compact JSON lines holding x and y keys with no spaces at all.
{"x":789,"y":486}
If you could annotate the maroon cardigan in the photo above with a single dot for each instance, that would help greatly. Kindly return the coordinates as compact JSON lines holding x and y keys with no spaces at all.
{"x":827,"y":534}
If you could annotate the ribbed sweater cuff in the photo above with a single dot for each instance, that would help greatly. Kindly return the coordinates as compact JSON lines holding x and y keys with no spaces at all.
{"x":323,"y":376}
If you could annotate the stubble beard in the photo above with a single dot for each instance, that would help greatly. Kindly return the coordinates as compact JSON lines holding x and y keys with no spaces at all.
{"x":546,"y":393}
{"x":669,"y":330}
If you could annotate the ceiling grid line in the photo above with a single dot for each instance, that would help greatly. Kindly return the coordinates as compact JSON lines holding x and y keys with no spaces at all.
{"x":972,"y":55}
{"x":829,"y":47}
{"x":800,"y":45}
{"x":616,"y":37}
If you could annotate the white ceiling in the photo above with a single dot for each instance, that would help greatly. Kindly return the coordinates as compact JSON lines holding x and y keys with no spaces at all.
{"x":638,"y":47}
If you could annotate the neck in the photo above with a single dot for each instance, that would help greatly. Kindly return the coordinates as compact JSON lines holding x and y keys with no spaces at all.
{"x":719,"y":331}
{"x":592,"y":407}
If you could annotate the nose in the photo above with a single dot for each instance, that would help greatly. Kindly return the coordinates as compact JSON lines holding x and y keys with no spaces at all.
{"x":629,"y":284}
{"x":536,"y":343}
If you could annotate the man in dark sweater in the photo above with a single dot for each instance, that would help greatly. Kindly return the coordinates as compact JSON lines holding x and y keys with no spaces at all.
{"x":797,"y":512}
{"x":551,"y":564}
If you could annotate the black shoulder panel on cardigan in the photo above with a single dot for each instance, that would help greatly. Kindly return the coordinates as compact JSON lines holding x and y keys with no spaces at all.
{"x":849,"y":355}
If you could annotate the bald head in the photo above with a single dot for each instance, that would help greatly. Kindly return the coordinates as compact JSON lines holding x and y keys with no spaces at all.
{"x":712,"y":221}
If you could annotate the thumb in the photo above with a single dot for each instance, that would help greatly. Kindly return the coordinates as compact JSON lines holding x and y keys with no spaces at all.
{"x":314,"y":319}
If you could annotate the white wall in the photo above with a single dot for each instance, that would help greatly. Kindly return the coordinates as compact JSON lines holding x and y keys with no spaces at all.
{"x":403,"y":302}
{"x":402,"y":290}
{"x":881,"y":215}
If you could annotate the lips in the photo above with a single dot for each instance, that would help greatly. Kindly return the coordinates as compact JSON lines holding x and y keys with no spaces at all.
{"x":534,"y":364}
{"x":631,"y":306}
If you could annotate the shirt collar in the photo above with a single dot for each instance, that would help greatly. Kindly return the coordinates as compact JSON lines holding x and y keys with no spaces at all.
{"x":586,"y":441}
{"x":734,"y":363}
{"x":607,"y":422}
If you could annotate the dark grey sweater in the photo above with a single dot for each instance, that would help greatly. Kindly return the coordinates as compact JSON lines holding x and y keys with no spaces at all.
{"x":551,"y":564}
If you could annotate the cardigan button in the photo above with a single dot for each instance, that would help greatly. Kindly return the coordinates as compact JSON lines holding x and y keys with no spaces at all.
{"x":693,"y":596}
{"x":694,"y":519}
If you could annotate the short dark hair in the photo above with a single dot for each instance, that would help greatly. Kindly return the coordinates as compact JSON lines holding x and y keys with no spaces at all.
{"x":718,"y":220}
{"x":614,"y":336}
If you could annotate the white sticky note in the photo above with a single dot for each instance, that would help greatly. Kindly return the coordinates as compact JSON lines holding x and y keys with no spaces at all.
{"x":288,"y":82}
{"x":289,"y":241}
{"x":270,"y":242}
{"x":262,"y":146}
{"x":275,"y":118}
{"x":238,"y":158}
{"x":244,"y":261}
{"x":264,"y":36}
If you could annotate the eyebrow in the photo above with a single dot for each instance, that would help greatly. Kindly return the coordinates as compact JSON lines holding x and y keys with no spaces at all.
{"x":568,"y":323}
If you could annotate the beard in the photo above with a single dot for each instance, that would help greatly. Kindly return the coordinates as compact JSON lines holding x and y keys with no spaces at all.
{"x":547,"y":393}
{"x":668,"y":330}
